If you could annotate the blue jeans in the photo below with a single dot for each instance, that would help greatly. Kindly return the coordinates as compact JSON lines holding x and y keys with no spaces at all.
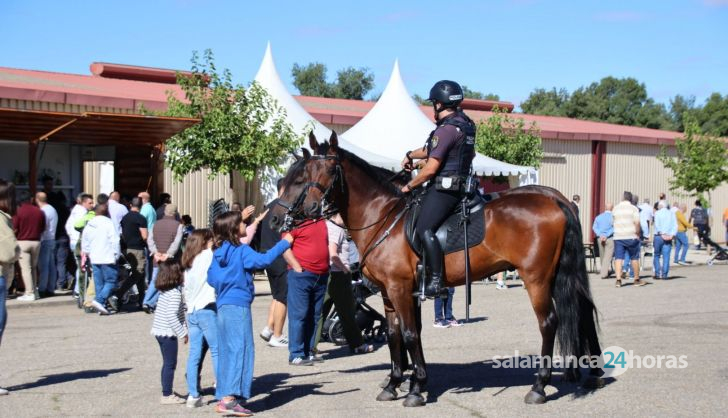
{"x":444,"y":303}
{"x":681,"y":246}
{"x":152,"y":294}
{"x":3,"y":309}
{"x":662,"y":250}
{"x":236,"y":352}
{"x":306,"y":293}
{"x":105,"y":277}
{"x":202,"y":326}
{"x":47,"y":269}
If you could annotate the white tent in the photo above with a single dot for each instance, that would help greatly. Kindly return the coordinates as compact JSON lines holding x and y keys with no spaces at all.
{"x":396,"y":125}
{"x":301,"y":120}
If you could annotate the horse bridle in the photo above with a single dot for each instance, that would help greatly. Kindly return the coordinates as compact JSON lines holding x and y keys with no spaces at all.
{"x":294,"y":212}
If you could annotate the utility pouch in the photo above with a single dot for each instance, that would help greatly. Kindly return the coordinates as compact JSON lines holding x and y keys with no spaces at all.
{"x":449,"y":183}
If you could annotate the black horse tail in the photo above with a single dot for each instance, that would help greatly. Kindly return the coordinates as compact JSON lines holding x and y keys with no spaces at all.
{"x":577,"y":315}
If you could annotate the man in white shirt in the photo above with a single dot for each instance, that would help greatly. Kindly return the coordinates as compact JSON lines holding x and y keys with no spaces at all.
{"x":646,"y":214}
{"x":47,"y":270}
{"x":84,"y":203}
{"x":100,"y":243}
{"x":116,"y":210}
{"x":627,"y":230}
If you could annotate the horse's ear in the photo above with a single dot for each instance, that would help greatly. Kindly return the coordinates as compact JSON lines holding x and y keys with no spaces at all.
{"x":334,"y":141}
{"x":312,"y":141}
{"x":306,"y":154}
{"x":296,"y":157}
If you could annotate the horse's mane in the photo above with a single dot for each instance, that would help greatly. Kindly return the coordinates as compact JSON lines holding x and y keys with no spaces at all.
{"x":380,"y":175}
{"x":293,"y":172}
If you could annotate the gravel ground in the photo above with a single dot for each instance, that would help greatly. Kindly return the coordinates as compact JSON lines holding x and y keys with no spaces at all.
{"x":58,"y":361}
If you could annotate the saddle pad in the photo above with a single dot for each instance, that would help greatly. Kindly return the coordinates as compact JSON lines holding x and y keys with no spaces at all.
{"x":451,"y":233}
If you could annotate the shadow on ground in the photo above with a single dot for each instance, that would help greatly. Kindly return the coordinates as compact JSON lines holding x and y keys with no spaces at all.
{"x":54,"y":379}
{"x":279,"y":391}
{"x":474,"y":377}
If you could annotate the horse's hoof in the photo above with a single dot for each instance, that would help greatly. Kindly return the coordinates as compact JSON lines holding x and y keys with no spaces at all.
{"x":387,"y":395}
{"x":534,"y":397}
{"x":594,"y":382}
{"x":384,"y":383}
{"x":414,"y":400}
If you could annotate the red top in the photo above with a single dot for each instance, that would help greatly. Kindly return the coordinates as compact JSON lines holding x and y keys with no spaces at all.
{"x":311,"y":246}
{"x":28,"y":222}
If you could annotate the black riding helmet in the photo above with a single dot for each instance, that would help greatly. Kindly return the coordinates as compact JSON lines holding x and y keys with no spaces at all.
{"x":446,"y":92}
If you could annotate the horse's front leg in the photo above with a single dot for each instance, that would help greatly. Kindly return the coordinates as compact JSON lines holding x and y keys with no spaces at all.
{"x":405,"y":306}
{"x":397,"y":352}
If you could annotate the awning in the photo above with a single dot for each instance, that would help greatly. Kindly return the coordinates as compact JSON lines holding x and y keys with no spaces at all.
{"x":89,"y":128}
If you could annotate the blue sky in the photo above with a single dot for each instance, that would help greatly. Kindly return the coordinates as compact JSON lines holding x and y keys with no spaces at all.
{"x":508,"y":47}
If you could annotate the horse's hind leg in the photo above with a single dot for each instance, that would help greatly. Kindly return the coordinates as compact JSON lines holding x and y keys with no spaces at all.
{"x":540,"y":294}
{"x":397,"y":353}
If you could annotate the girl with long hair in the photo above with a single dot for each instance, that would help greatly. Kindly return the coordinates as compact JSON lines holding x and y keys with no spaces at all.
{"x":201,"y":309}
{"x":231,"y":275}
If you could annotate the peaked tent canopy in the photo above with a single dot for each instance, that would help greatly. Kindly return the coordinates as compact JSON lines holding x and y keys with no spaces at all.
{"x":396,"y":125}
{"x":301,"y":120}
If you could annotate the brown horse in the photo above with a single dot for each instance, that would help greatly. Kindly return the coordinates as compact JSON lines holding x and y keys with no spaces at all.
{"x":532,"y":229}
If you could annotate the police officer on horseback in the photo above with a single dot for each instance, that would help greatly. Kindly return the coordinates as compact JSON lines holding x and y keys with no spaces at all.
{"x":447,"y":157}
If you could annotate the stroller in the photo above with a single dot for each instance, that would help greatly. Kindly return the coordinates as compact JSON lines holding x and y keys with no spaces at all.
{"x":372,"y":324}
{"x":721,"y":254}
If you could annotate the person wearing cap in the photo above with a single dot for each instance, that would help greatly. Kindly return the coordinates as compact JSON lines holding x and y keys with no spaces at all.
{"x":163,"y":242}
{"x":447,"y":157}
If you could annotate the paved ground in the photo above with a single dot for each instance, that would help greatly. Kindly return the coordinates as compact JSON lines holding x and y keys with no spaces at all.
{"x":58,"y":361}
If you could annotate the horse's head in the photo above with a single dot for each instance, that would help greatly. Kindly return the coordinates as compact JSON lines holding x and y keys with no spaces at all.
{"x":310,"y":185}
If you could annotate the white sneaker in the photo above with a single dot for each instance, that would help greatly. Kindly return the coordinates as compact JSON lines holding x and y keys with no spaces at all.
{"x":171,"y":400}
{"x":278,"y":342}
{"x":501,"y":286}
{"x":193,"y":402}
{"x":266,"y":333}
{"x":99,"y":307}
{"x":27,"y":298}
{"x":3,"y":392}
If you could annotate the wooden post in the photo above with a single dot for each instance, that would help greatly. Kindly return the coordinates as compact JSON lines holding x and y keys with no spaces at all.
{"x":32,"y":166}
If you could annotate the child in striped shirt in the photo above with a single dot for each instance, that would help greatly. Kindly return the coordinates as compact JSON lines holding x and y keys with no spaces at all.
{"x":169,"y":324}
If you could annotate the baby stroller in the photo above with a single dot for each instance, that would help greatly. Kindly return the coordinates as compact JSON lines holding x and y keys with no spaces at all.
{"x":721,"y":254}
{"x":372,"y":324}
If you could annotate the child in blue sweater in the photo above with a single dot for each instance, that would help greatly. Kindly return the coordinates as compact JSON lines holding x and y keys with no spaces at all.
{"x":231,"y":275}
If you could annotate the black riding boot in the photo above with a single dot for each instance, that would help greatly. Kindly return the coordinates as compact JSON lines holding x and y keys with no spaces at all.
{"x":433,"y":258}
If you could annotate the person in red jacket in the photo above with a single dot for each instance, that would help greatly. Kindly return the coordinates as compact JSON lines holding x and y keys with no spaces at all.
{"x":308,"y":274}
{"x":28,"y":224}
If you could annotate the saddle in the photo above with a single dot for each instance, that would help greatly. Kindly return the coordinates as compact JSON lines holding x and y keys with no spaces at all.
{"x":451,"y":233}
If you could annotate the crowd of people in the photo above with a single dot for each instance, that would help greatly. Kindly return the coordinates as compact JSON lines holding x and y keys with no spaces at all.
{"x":197,"y":283}
{"x":622,"y":230}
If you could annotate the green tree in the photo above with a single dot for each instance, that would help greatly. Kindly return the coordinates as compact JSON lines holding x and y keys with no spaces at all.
{"x":713,"y":116}
{"x":620,"y":101}
{"x":351,"y":83}
{"x":241,"y":129}
{"x":680,"y":106}
{"x":472,"y":94}
{"x":546,"y":102}
{"x":506,"y":138}
{"x":701,"y":163}
{"x":311,"y":80}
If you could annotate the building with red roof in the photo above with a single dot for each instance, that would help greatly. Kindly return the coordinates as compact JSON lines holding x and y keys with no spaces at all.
{"x":592,"y":159}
